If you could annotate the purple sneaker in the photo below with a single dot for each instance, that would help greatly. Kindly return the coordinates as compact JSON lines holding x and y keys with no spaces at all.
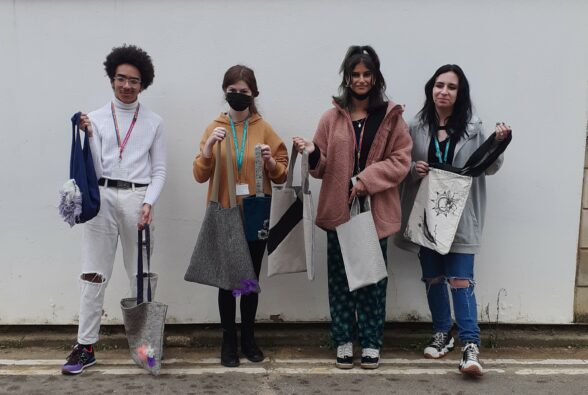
{"x":80,"y":358}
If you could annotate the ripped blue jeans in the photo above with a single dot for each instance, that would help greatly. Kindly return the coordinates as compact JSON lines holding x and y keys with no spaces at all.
{"x":437,"y":271}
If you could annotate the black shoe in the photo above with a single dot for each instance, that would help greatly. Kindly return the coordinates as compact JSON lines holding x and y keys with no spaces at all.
{"x":80,"y":358}
{"x":439,"y":345}
{"x":229,"y":356}
{"x":251,"y":351}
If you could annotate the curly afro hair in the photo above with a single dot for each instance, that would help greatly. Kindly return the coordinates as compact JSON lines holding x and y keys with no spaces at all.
{"x":133,"y":55}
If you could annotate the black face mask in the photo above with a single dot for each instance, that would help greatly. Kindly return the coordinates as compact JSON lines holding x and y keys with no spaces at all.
{"x":358,"y":96}
{"x":239,"y":101}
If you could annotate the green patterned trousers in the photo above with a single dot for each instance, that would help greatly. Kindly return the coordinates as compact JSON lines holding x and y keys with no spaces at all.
{"x":363,"y":310}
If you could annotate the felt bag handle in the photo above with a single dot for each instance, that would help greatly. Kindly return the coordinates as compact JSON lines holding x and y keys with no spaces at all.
{"x":147,"y":244}
{"x":230,"y":174}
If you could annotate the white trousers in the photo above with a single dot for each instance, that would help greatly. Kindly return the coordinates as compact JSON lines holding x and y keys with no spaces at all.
{"x":120,"y":210}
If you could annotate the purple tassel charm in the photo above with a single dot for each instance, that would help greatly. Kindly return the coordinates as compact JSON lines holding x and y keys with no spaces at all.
{"x":247,"y":287}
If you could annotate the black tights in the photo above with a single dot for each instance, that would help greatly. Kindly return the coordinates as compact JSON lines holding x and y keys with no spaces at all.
{"x":227,"y":304}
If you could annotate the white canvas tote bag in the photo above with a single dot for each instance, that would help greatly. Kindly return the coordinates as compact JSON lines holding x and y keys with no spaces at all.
{"x":437,"y":209}
{"x":360,"y":247}
{"x":290,"y":242}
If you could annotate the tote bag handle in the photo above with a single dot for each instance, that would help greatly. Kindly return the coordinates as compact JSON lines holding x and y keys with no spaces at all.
{"x":230,"y":174}
{"x":304,"y":171}
{"x":140,"y":276}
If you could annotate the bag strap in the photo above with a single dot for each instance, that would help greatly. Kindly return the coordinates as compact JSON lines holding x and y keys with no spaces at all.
{"x":293,"y":155}
{"x":356,"y":206}
{"x":480,"y":160}
{"x":75,"y":122}
{"x":230,"y":174}
{"x":485,"y":155}
{"x":258,"y":172}
{"x":147,"y":244}
{"x":304,"y":172}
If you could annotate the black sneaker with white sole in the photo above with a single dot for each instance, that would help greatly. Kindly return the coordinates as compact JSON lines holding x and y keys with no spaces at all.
{"x":470,"y":363}
{"x":439,"y":345}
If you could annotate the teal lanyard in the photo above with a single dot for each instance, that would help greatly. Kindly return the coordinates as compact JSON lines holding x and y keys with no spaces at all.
{"x":438,"y":150}
{"x":239,"y":152}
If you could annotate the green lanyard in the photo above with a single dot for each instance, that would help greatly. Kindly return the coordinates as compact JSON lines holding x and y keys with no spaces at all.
{"x":239,"y":152}
{"x":438,"y":150}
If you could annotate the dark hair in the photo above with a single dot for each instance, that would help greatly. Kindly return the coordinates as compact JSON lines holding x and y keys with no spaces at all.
{"x":242,"y":73}
{"x":367,"y":55}
{"x":133,"y":55}
{"x":462,"y":110}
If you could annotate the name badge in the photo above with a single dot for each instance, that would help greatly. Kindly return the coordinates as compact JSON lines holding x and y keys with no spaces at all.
{"x":242,"y":189}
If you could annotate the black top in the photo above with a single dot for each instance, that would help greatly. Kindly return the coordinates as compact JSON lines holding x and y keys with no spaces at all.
{"x":432,"y":157}
{"x":374,"y":119}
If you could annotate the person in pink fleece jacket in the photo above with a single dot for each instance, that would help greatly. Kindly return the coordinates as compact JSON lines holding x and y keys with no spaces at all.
{"x":362,"y":136}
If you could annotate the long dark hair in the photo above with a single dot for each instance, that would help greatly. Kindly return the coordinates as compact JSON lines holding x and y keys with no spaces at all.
{"x":355,"y":55}
{"x":242,"y":73}
{"x":462,"y":109}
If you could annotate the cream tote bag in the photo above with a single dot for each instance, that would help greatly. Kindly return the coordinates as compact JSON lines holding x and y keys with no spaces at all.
{"x":290,"y":243}
{"x":360,"y":247}
{"x":437,"y":209}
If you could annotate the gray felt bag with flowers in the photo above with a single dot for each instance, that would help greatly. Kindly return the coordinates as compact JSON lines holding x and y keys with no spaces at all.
{"x":144,"y":320}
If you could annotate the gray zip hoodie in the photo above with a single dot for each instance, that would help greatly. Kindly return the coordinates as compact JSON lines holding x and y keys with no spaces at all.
{"x":471,"y":224}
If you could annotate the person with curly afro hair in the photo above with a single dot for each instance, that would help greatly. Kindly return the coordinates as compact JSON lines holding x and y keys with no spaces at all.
{"x":134,"y":56}
{"x":128,"y":148}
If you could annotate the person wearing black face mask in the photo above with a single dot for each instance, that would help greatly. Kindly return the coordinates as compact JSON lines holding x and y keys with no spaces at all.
{"x":365,"y":138}
{"x":239,"y":101}
{"x":245,"y":129}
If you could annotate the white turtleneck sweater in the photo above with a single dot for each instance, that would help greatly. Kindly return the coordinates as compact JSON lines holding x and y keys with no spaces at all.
{"x":144,"y":156}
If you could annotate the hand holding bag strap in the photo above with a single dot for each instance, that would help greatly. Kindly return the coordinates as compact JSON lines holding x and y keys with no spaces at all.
{"x":356,"y":208}
{"x":230,"y":174}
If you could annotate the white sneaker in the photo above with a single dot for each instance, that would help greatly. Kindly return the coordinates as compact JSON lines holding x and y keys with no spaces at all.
{"x":345,"y":356}
{"x":470,"y":364}
{"x":370,"y":358}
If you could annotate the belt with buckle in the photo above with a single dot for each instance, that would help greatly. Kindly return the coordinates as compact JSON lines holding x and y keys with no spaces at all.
{"x":105,"y":182}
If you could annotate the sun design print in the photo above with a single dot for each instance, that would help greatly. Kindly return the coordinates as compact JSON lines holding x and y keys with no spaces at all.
{"x":445,"y":203}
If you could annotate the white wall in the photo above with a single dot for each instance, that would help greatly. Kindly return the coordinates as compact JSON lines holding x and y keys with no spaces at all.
{"x":527,"y":63}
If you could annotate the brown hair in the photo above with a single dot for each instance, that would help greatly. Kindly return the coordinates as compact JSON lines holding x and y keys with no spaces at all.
{"x":242,"y":73}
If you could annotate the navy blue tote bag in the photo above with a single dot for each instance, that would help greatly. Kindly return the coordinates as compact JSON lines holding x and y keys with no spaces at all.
{"x":81,"y":170}
{"x":256,"y":208}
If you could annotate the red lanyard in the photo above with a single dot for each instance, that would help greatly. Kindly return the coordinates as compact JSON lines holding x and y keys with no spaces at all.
{"x":358,"y":149}
{"x":121,"y":146}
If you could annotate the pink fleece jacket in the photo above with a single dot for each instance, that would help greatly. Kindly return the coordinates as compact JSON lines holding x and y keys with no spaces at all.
{"x":388,"y":162}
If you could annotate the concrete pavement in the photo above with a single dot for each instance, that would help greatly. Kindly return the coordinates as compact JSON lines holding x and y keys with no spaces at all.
{"x":298,"y":370}
{"x":396,"y":335}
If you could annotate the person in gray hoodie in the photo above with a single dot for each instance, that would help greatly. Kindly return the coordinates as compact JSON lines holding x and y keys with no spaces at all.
{"x":445,"y":131}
